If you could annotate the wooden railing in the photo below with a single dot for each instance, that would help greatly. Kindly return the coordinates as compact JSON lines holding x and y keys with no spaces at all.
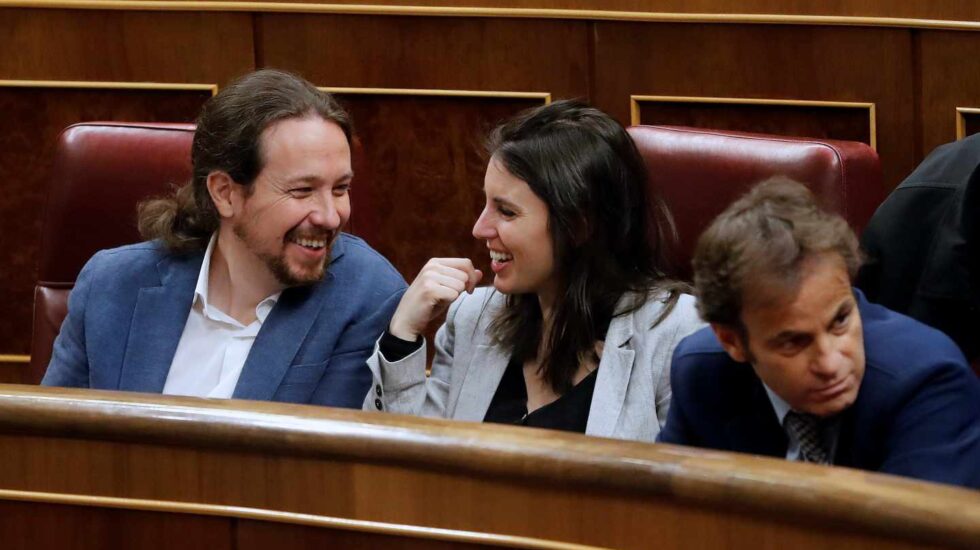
{"x":336,"y":473}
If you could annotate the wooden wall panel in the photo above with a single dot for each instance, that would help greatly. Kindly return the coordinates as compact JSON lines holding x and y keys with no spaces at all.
{"x":950,"y":65}
{"x":257,"y":535}
{"x":971,"y":123}
{"x":429,"y":53}
{"x":846,"y":123}
{"x":209,"y":48}
{"x":765,"y":62}
{"x":954,"y":10}
{"x":426,"y":161}
{"x":30,"y":525}
{"x":33,"y":118}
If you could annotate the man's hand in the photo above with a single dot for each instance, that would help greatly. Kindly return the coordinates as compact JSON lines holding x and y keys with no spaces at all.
{"x":439,"y":283}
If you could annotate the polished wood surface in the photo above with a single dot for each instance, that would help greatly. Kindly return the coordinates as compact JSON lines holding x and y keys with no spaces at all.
{"x":455,"y":475}
{"x":883,"y":10}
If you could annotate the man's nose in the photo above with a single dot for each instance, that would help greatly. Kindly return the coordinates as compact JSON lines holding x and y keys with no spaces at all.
{"x":483,"y":228}
{"x":324,"y":212}
{"x":827,"y":357}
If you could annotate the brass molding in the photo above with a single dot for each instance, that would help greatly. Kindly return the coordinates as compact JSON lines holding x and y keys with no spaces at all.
{"x":961,"y":113}
{"x":104,"y":85}
{"x":544,"y":96}
{"x":635,"y":101}
{"x":363,"y":526}
{"x":14,"y":358}
{"x":536,"y":13}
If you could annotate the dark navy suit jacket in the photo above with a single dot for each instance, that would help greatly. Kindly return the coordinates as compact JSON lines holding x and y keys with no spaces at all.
{"x":129,"y":306}
{"x":917,"y":413}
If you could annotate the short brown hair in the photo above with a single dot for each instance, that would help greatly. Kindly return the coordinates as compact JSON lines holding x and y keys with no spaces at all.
{"x":767,"y":234}
{"x":227,"y":139}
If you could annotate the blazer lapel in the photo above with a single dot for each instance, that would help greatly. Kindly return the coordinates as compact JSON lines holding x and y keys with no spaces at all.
{"x":158,"y":322}
{"x":282,"y":334}
{"x":756,"y":429}
{"x":615,"y":368}
{"x":486,"y":369}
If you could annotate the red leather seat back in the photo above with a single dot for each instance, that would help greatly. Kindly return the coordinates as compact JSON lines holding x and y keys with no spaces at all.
{"x":700,"y":172}
{"x":101,"y":172}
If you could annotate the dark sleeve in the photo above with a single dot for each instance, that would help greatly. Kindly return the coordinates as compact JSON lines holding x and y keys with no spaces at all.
{"x":395,"y":349}
{"x":936,"y":434}
{"x":677,"y":429}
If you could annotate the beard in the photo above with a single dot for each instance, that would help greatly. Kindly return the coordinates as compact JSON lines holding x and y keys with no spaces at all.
{"x":287,"y":274}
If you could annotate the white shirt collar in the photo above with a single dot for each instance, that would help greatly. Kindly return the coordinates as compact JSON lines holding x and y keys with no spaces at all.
{"x":781,"y":407}
{"x":262,"y":310}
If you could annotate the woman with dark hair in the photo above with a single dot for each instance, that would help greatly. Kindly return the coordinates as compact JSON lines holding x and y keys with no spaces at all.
{"x":578,"y":329}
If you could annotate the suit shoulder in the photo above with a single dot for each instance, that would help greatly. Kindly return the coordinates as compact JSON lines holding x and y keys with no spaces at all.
{"x":901,"y":347}
{"x":124,"y":261}
{"x":367,"y":263}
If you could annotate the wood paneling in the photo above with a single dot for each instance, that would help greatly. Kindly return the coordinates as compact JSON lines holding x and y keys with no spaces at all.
{"x":845,"y":123}
{"x":954,"y":10}
{"x":255,"y":535}
{"x":429,"y":53}
{"x":426,"y":160}
{"x":438,"y":473}
{"x":765,"y":62}
{"x":209,"y":48}
{"x":30,"y":525}
{"x":950,"y":66}
{"x":971,"y":123}
{"x":33,"y":119}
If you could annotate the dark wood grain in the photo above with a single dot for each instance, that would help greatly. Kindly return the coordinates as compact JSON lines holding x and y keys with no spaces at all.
{"x":950,"y":65}
{"x":33,"y":118}
{"x":844,"y":123}
{"x":458,"y":475}
{"x":766,"y":62}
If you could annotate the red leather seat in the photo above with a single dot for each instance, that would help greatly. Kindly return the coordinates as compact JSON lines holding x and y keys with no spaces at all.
{"x":699,"y":172}
{"x":102,"y":171}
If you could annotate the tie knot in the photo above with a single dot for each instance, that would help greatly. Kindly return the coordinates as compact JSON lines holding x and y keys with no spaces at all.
{"x":807,"y":430}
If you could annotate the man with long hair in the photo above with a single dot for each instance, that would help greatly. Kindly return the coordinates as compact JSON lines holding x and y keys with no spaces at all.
{"x":245,"y":287}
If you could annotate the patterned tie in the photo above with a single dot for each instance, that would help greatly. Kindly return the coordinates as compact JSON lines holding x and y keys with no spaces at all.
{"x":805,"y":428}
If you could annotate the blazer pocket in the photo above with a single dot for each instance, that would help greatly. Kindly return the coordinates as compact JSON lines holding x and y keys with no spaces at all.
{"x":309,"y":373}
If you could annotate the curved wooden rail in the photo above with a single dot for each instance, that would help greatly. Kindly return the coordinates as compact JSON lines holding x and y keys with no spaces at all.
{"x":453,"y":475}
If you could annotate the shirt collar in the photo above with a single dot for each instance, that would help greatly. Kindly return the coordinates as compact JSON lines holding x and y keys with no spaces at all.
{"x":262,"y":310}
{"x":781,"y":407}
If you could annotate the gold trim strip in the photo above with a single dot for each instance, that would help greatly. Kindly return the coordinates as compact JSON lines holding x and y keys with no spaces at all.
{"x":240,"y":512}
{"x":872,"y":116}
{"x":13,"y":358}
{"x":961,"y":120}
{"x":213,"y":88}
{"x":536,"y":13}
{"x":546,"y":96}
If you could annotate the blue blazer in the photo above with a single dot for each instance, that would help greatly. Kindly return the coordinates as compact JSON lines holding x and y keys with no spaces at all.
{"x":917,"y":413}
{"x":129,"y":306}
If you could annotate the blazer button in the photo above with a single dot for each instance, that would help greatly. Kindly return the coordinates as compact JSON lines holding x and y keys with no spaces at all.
{"x":377,"y":403}
{"x":377,"y":390}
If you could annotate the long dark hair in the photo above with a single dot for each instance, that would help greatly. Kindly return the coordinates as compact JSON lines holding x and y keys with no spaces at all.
{"x":609,"y":232}
{"x":227,"y":138}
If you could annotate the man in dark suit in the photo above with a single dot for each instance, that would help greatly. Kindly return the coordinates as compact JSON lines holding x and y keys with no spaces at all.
{"x":246,"y":286}
{"x":798,"y":364}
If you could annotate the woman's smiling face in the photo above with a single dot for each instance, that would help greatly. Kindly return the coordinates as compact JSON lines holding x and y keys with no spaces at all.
{"x":514,"y":224}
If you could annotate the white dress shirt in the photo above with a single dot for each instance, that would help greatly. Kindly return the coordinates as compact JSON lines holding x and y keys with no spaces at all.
{"x":213,"y":347}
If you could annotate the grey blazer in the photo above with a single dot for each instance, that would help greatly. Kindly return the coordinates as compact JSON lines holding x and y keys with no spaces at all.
{"x":632,"y":391}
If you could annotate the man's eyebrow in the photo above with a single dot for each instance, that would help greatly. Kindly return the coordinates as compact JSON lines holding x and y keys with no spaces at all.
{"x":785,"y":335}
{"x":846,"y":306}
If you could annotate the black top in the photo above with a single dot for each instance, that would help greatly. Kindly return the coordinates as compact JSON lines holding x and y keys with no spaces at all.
{"x":569,"y":413}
